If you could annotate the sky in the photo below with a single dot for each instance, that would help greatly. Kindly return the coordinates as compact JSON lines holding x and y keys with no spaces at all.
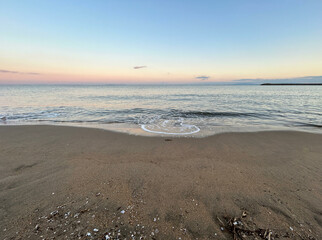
{"x":158,"y":41}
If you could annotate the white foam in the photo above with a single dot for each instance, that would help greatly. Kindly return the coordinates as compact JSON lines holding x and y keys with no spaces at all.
{"x":170,"y":128}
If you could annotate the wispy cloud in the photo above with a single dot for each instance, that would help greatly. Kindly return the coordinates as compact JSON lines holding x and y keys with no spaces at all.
{"x":202,"y":78}
{"x":138,"y":67}
{"x":18,"y":72}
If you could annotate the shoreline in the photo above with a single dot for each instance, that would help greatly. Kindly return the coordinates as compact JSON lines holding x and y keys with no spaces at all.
{"x":58,"y":181}
{"x":139,"y":131}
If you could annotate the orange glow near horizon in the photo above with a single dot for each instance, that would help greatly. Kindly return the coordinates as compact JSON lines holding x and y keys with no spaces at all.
{"x":132,"y":76}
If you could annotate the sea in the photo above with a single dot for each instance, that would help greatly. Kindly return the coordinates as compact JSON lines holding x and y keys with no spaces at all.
{"x":166,"y":110}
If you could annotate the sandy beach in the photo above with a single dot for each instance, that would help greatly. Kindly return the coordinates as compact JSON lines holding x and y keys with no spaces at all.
{"x":79,"y":183}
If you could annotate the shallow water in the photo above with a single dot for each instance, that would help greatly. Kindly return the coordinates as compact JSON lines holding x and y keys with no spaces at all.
{"x":197,"y":110}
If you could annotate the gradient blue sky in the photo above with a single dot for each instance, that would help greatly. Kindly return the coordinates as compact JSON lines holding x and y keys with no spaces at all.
{"x":177,"y":41}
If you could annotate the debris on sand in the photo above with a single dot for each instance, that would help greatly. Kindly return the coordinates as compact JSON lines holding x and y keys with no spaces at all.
{"x":75,"y":220}
{"x":240,"y":229}
{"x":37,"y":227}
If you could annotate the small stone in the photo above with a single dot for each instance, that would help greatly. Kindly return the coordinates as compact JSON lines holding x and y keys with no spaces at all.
{"x":54,"y":213}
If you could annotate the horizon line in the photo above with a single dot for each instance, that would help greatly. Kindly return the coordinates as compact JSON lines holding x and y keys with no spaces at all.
{"x":241,"y":81}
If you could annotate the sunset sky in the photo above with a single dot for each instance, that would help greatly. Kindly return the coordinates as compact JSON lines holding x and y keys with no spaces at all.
{"x":177,"y":41}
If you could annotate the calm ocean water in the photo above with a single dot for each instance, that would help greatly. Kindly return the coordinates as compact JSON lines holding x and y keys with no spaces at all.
{"x":166,"y":109}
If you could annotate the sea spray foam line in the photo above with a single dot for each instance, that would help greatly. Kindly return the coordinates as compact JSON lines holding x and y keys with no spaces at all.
{"x":143,"y":126}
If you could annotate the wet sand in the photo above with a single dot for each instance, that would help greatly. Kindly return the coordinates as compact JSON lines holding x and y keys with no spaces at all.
{"x":78,"y":183}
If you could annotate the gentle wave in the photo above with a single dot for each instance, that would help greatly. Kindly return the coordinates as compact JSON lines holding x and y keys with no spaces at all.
{"x":308,"y":125}
{"x":216,"y":114}
{"x":136,"y":115}
{"x":99,"y":113}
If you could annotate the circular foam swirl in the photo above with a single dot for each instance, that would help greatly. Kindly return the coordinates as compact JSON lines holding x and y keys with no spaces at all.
{"x":170,"y":127}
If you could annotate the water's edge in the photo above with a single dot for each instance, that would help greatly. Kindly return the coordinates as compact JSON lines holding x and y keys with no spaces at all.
{"x":139,"y":132}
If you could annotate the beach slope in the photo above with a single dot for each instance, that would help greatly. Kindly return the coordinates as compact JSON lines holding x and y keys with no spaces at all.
{"x":79,"y":183}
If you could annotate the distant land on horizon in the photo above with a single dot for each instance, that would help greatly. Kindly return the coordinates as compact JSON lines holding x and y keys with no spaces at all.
{"x":296,"y":80}
{"x":289,"y":84}
{"x":308,"y":80}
